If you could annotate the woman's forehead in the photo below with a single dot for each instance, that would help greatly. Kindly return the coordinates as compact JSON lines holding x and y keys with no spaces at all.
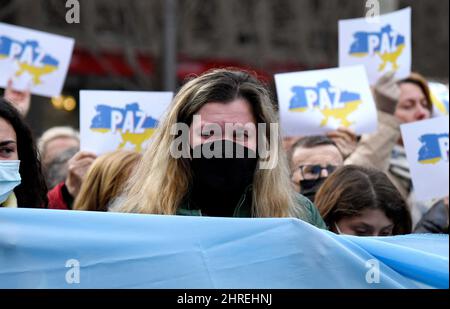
{"x":237,"y":111}
{"x":6,"y":130}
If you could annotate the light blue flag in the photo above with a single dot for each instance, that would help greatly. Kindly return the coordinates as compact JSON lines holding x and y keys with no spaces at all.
{"x":71,"y":249}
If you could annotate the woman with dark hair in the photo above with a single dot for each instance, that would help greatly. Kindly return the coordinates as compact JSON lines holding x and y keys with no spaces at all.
{"x":361,"y":201}
{"x":22,"y":186}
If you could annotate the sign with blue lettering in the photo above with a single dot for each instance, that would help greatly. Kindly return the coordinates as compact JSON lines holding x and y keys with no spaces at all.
{"x":381,"y":46}
{"x":111,"y":120}
{"x":426,"y":144}
{"x":315,"y":102}
{"x":34,"y":59}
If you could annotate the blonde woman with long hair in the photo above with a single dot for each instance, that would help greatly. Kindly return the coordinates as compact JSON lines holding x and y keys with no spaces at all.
{"x":106,"y":179}
{"x":219,"y":186}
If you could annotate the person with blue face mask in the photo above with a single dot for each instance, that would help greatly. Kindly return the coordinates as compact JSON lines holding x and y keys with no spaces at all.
{"x":21,"y":181}
{"x":9,"y":179}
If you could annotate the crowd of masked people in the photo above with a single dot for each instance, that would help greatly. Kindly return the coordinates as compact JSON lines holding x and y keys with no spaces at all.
{"x":348,"y":184}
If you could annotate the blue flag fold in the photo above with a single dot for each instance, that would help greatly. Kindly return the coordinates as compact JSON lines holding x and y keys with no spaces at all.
{"x":72,"y":249}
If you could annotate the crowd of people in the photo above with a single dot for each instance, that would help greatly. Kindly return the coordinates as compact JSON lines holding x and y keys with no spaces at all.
{"x":347,"y":184}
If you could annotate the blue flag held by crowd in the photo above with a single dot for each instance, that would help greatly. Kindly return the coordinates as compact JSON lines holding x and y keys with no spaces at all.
{"x":59,"y":249}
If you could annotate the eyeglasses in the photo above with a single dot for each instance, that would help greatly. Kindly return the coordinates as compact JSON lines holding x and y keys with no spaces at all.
{"x":313,"y":172}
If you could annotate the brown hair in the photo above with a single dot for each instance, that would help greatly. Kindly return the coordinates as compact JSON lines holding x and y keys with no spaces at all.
{"x":351,"y":189}
{"x":105,"y":180}
{"x":421,"y":82}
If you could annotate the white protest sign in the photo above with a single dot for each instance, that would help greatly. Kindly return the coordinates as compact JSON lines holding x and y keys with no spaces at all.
{"x":111,"y":120}
{"x":316,"y":102}
{"x":439,"y":97}
{"x":34,"y":59}
{"x":381,"y":45}
{"x":426,"y":145}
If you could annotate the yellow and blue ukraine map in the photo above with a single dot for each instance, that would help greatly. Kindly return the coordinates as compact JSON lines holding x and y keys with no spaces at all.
{"x":434,"y":148}
{"x":387,"y":44}
{"x":30,"y":57}
{"x":330,"y":101}
{"x":142,"y":126}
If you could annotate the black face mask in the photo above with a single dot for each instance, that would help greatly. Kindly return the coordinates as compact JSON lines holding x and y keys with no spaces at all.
{"x":309,"y":188}
{"x":222,"y":179}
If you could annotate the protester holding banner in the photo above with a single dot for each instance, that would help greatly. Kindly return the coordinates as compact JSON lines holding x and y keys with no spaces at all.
{"x":105,"y":180}
{"x":21,"y":180}
{"x":217,"y":186}
{"x":362,"y":201}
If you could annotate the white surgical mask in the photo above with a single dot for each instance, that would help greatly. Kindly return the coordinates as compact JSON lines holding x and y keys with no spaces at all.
{"x":9,"y":177}
{"x":337,"y":228}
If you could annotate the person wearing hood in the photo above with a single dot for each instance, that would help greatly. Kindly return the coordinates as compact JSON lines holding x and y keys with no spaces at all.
{"x":198,"y":166}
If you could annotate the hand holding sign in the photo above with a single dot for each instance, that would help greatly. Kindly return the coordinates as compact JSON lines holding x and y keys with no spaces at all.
{"x":345,"y":139}
{"x":77,"y":169}
{"x":387,"y":93}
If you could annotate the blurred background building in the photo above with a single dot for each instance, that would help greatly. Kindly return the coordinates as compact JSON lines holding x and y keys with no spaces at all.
{"x":155,"y":44}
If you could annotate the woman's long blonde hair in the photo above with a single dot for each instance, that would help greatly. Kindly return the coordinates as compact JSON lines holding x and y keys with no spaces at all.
{"x":106,"y":179}
{"x":161,"y":181}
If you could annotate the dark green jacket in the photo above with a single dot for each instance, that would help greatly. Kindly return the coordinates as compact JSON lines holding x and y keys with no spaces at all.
{"x":306,"y":211}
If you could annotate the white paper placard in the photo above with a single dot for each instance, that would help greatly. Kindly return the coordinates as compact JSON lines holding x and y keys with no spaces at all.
{"x":426,"y":145}
{"x":34,"y":59}
{"x":111,"y":120}
{"x":381,"y":44}
{"x":439,"y":96}
{"x":316,"y":102}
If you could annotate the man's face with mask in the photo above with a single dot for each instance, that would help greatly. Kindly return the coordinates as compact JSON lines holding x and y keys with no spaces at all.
{"x":311,"y":166}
